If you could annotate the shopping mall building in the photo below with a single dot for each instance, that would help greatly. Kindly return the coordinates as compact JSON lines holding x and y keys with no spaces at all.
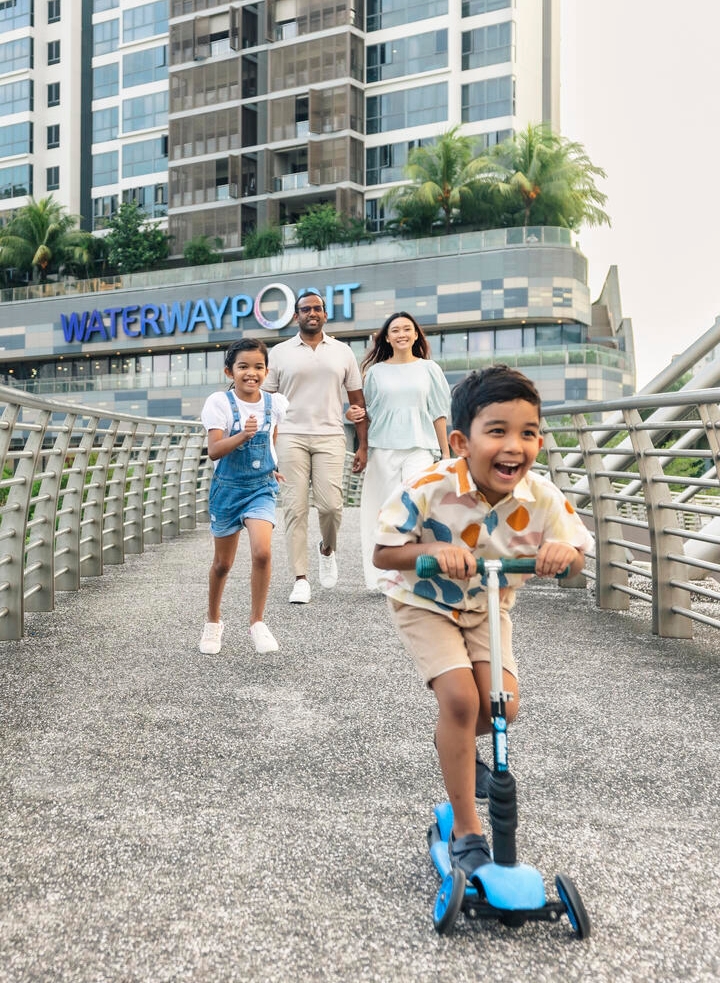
{"x":152,"y":343}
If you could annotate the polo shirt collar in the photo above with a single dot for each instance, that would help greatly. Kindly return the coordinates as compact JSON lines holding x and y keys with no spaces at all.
{"x":464,"y":485}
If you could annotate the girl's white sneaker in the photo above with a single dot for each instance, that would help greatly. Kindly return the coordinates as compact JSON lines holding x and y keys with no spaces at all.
{"x":263,"y":638}
{"x":211,"y":640}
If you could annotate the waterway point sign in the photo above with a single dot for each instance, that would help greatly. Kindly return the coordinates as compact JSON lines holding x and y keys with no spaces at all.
{"x":183,"y":317}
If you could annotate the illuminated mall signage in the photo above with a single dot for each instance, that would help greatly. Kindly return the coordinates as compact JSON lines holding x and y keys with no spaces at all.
{"x":149,"y":321}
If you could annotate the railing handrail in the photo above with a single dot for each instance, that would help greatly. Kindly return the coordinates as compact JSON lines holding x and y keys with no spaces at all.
{"x":83,"y":486}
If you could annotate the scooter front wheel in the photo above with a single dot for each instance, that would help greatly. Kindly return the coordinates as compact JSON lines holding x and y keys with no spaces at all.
{"x":575,"y":909}
{"x":449,"y":901}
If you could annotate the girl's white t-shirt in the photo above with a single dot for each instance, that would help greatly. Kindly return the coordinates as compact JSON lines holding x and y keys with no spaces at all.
{"x":217,"y":414}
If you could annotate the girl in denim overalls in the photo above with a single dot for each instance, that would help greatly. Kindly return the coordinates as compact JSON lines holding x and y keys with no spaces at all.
{"x":241,"y":425}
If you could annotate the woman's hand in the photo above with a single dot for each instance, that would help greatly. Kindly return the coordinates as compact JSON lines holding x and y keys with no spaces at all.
{"x":355,"y":413}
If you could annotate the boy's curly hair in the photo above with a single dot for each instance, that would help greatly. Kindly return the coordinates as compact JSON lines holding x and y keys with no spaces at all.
{"x":496,"y":384}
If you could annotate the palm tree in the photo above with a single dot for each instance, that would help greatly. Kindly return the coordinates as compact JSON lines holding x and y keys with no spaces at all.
{"x":442,"y":177}
{"x":545,"y":179}
{"x":42,"y":236}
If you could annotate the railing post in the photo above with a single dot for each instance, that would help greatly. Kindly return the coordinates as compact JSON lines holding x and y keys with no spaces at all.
{"x":135,"y":494}
{"x":610,"y":555}
{"x":189,"y":481}
{"x":171,"y":484}
{"x":40,"y":574}
{"x":153,"y":523}
{"x":114,"y":518}
{"x":69,"y":530}
{"x":91,"y":561}
{"x":13,"y":531}
{"x":657,"y":496}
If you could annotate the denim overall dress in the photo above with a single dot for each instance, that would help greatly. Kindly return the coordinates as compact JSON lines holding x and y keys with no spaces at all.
{"x":244,"y":485}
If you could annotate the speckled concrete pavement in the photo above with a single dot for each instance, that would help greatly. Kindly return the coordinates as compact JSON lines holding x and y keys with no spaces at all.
{"x":168,"y":816}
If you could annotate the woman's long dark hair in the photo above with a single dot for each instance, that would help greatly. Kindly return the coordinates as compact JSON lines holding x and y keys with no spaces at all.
{"x":382,"y":350}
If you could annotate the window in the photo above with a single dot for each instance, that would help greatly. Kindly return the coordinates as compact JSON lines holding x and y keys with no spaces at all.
{"x":145,"y":66}
{"x":53,"y":11}
{"x":472,"y":7}
{"x":16,"y":54}
{"x":18,"y":13}
{"x":16,"y":139}
{"x":16,"y":181}
{"x":104,"y":210}
{"x":407,"y":56}
{"x":105,"y":80}
{"x":16,"y":97}
{"x":487,"y":46}
{"x":53,"y":178}
{"x":53,"y":52}
{"x":390,"y":13}
{"x":488,"y":99}
{"x":53,"y":94}
{"x":100,"y":5}
{"x":411,"y":107}
{"x":144,"y":157}
{"x":53,"y":136}
{"x":105,"y":168}
{"x":145,"y":112}
{"x":104,"y":124}
{"x":106,"y":36}
{"x":145,"y":21}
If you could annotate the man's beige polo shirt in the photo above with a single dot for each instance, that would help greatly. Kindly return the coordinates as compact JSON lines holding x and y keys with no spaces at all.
{"x":314,"y":381}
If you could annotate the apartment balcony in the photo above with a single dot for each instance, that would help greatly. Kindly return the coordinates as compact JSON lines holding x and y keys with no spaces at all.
{"x":291,"y":182}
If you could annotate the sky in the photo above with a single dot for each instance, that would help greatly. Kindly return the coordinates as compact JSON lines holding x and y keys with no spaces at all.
{"x":640,"y":89}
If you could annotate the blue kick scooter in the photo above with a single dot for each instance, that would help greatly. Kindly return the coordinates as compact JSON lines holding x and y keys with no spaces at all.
{"x":507,"y":890}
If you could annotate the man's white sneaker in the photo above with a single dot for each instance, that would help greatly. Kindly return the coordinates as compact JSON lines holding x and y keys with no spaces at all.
{"x":263,"y":639}
{"x":328,"y":568}
{"x":211,"y":640}
{"x":300,"y":592}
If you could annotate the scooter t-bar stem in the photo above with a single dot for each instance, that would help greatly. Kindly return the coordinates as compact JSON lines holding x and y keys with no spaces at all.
{"x":428,"y":566}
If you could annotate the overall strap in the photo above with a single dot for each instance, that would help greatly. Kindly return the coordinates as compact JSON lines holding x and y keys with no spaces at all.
{"x":235,"y":411}
{"x":267,"y":400}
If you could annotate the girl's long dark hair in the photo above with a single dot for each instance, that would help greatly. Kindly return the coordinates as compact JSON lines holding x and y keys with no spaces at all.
{"x":381,"y":350}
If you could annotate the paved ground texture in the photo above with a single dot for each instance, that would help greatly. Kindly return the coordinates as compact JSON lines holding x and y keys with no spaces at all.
{"x":168,"y":816}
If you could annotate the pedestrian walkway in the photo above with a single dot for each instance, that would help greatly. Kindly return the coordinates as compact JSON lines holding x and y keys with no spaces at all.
{"x":169,"y":816}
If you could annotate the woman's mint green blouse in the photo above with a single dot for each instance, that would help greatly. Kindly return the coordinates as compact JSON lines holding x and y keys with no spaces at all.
{"x":402,"y":401}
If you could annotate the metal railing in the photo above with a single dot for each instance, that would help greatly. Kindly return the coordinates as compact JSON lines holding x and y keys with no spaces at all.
{"x":643,"y":473}
{"x":81,"y":488}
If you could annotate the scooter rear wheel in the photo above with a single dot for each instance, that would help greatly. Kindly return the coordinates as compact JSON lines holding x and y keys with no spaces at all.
{"x":449,"y":901}
{"x":575,"y":909}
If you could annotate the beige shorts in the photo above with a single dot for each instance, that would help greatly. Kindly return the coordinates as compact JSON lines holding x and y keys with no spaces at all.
{"x":437,"y":644}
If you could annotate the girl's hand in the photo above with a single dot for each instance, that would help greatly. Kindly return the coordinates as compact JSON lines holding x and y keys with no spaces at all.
{"x":355,"y":413}
{"x":251,"y":425}
{"x":278,"y":476}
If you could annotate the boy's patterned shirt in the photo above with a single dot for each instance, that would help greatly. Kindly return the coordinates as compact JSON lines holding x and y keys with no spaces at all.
{"x":444,"y":504}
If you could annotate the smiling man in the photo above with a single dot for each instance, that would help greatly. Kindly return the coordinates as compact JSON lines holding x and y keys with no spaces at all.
{"x":314,"y":371}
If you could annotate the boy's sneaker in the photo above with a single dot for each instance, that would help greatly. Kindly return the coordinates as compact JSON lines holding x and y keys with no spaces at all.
{"x":300,"y":593}
{"x":263,"y":639}
{"x":469,"y":852}
{"x":328,"y":568}
{"x":482,"y":778}
{"x":211,"y":640}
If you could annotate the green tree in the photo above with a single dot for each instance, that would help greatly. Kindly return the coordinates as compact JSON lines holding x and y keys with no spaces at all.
{"x":442,"y":177}
{"x":42,"y":236}
{"x":262,"y":242}
{"x":319,"y":226}
{"x":545,"y":179}
{"x":199,"y":251}
{"x":133,"y":243}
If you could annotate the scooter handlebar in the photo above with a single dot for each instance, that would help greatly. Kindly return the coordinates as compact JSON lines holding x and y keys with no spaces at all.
{"x":428,"y":566}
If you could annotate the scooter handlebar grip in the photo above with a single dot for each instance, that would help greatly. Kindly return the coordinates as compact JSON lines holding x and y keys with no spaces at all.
{"x":428,"y":566}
